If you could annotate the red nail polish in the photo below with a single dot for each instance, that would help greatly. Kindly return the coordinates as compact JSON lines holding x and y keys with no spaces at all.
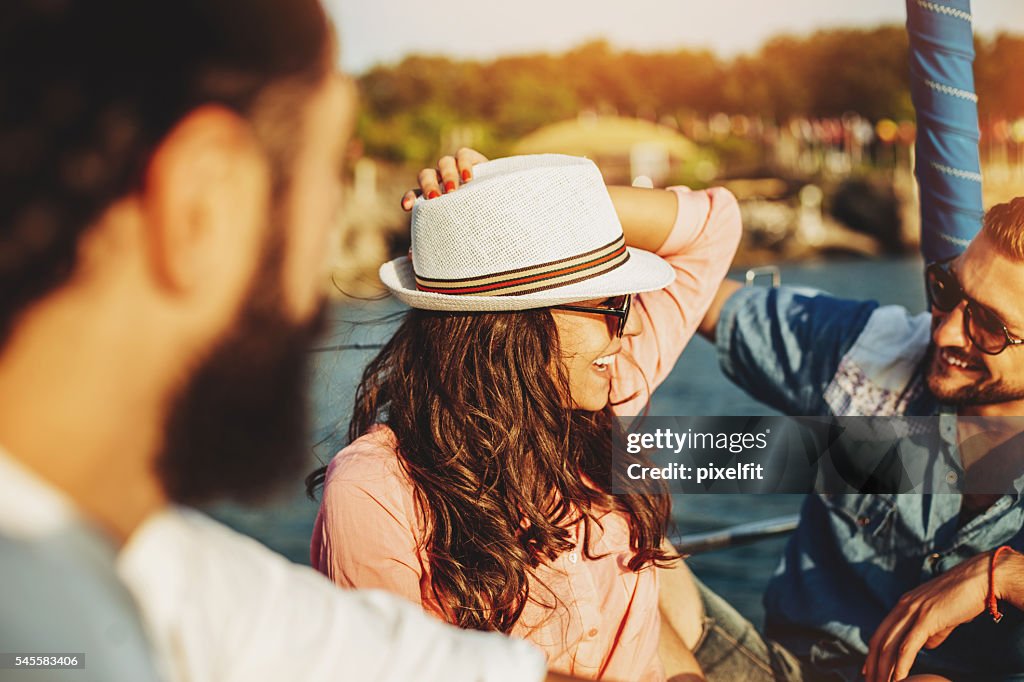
{"x":465,"y":175}
{"x":433,"y":194}
{"x":449,"y":186}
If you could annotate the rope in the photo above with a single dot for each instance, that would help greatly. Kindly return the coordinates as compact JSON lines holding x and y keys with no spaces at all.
{"x":950,"y":90}
{"x":945,"y":9}
{"x":956,"y":172}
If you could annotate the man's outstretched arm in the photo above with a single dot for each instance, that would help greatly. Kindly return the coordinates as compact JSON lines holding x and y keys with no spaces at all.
{"x":709,"y":324}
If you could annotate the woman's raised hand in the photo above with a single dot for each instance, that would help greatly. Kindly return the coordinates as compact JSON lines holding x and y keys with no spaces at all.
{"x":451,"y":172}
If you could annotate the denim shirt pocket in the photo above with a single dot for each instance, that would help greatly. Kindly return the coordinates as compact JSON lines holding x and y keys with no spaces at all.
{"x":864,"y":524}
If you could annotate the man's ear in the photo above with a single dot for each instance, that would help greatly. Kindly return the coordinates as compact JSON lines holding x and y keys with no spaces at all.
{"x":205,"y":201}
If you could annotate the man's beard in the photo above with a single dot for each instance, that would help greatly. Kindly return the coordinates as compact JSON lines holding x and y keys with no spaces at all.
{"x":983,"y":391}
{"x":238,"y":429}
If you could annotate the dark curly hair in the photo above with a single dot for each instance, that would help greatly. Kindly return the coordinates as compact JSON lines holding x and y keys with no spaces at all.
{"x":88,"y":88}
{"x":502,"y":469}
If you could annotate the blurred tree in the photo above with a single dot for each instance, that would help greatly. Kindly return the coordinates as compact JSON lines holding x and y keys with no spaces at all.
{"x":998,"y":69}
{"x":413,"y":107}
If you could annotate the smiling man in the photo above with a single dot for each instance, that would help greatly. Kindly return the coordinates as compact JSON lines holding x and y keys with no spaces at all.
{"x":977,"y":300}
{"x":893,"y":583}
{"x":168,"y":176}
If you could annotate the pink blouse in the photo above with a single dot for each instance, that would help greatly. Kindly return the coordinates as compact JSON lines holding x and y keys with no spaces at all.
{"x":606,"y":624}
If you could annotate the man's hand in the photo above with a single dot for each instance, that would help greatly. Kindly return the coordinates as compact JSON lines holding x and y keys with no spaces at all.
{"x":924,"y":617}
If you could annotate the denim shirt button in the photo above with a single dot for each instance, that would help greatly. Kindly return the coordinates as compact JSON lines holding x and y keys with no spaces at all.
{"x":863,"y":520}
{"x":951,"y":478}
{"x":934,"y":558}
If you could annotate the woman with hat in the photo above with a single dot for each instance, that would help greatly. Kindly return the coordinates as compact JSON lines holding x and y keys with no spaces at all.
{"x":477,"y":482}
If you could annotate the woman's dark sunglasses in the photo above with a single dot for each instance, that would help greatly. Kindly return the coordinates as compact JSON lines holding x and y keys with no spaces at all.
{"x":983,"y":327}
{"x":617,"y":307}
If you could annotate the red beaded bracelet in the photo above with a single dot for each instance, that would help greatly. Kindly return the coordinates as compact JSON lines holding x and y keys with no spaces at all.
{"x":990,"y":601}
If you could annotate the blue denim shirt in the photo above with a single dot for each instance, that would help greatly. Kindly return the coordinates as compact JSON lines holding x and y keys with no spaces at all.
{"x":807,"y":353}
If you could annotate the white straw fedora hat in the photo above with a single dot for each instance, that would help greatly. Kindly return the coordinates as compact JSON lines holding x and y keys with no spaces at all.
{"x":525,"y":232}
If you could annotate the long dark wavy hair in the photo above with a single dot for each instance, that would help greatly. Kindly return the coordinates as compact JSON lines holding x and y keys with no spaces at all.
{"x":502,"y":469}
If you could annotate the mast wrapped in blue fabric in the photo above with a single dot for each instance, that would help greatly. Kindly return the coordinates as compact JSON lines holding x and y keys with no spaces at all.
{"x":942,"y":86}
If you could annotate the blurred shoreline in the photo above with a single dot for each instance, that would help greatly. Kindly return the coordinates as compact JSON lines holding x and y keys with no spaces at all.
{"x":867,"y":213}
{"x":814,"y":134}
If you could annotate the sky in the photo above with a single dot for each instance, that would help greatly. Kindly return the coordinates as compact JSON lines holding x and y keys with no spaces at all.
{"x":384,"y":31}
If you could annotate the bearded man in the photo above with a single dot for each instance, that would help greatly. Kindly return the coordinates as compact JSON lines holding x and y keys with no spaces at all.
{"x":169,"y":172}
{"x":884,"y":586}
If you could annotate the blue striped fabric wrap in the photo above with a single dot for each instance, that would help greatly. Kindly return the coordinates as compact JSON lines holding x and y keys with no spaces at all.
{"x":948,"y":167}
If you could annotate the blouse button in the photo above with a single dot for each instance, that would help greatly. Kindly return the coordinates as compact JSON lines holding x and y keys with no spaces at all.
{"x":573,"y":557}
{"x":592,"y":633}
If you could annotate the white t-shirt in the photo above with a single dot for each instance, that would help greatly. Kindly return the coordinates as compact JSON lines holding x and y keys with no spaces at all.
{"x":61,"y":593}
{"x":223,"y":608}
{"x":216,"y":606}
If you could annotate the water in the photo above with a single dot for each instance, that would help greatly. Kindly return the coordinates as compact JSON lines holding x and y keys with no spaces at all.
{"x":695,"y":387}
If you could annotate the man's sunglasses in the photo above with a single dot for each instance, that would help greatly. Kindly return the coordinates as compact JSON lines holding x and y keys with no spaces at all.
{"x":983,"y":327}
{"x":617,"y":307}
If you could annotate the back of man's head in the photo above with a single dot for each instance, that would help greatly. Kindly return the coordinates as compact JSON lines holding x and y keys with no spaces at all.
{"x":88,"y":88}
